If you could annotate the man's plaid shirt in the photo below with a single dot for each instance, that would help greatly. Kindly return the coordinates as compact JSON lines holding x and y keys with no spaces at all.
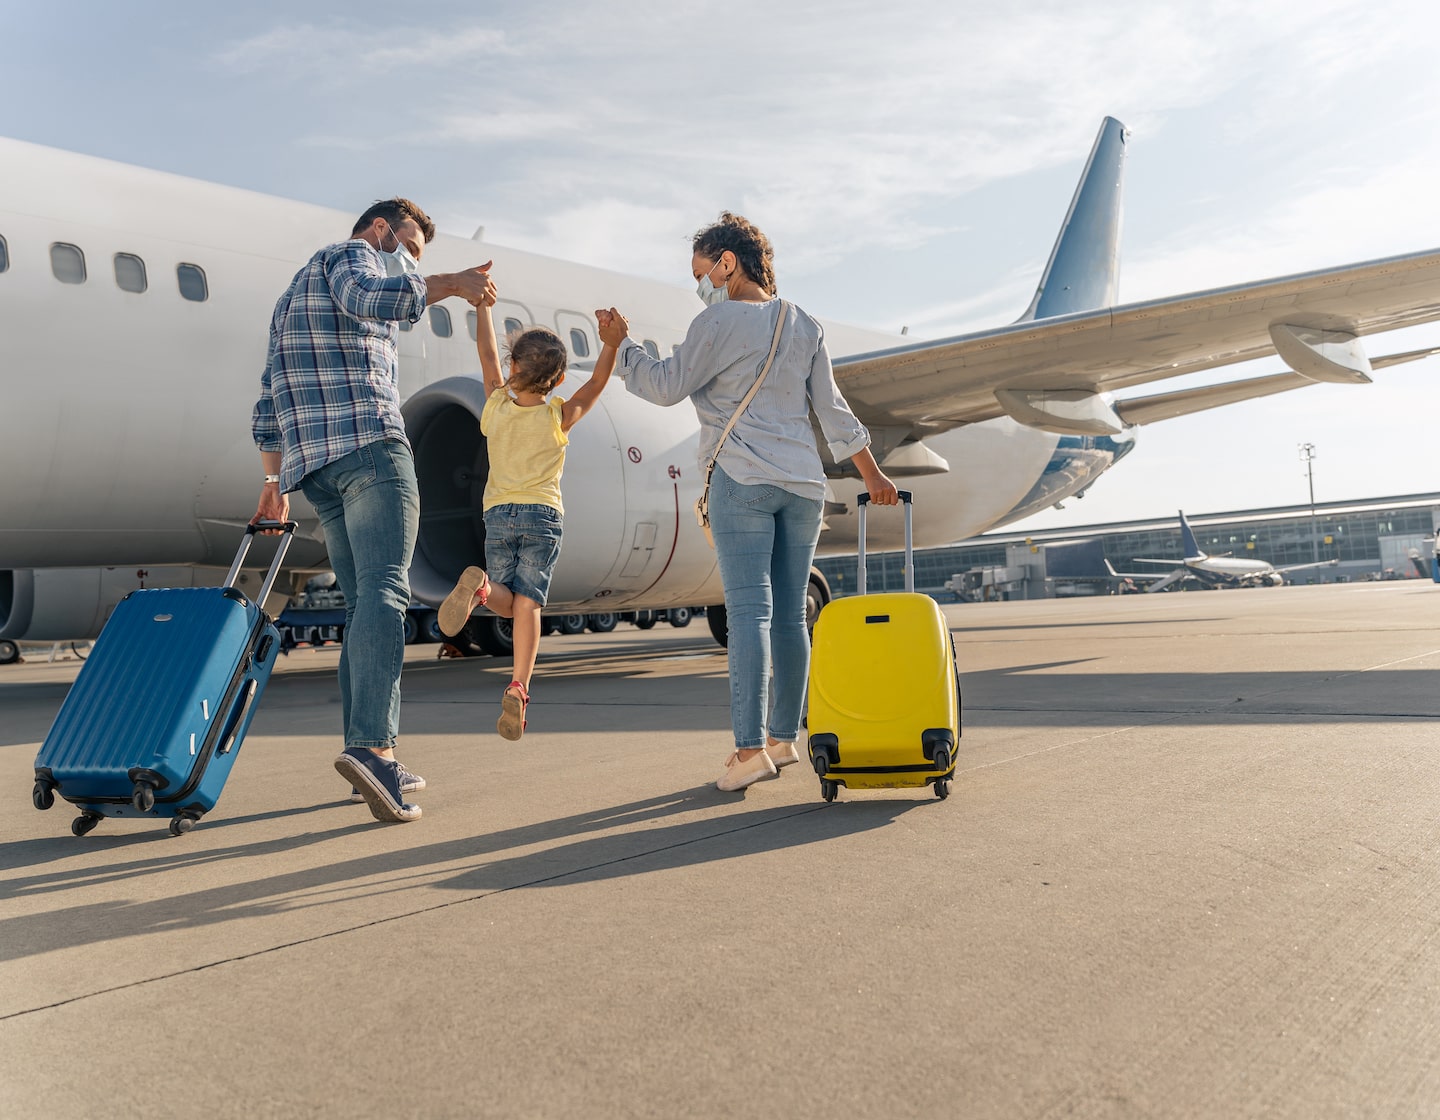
{"x":331,"y":382}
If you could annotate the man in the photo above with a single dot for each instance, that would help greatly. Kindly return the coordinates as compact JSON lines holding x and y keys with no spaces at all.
{"x":328,"y":424}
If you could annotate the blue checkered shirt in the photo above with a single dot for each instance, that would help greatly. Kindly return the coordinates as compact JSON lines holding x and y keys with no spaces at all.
{"x":331,"y":381}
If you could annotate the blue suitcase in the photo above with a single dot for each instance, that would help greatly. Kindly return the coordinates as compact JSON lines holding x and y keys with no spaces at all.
{"x":156,"y":715}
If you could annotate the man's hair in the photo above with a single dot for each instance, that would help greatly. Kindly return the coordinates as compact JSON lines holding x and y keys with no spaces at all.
{"x":750,"y":246}
{"x":537,"y":360}
{"x":395,"y":211}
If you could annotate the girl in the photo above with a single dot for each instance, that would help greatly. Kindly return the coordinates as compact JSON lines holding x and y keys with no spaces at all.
{"x":524,"y":518}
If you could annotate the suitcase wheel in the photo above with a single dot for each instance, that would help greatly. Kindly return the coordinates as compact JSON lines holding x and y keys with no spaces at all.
{"x":144,"y":797}
{"x":829,"y":789}
{"x":84,"y":823}
{"x":181,"y":824}
{"x":942,"y":788}
{"x":43,"y":795}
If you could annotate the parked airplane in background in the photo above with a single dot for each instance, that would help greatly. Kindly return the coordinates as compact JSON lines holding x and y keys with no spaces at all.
{"x":1219,"y":571}
{"x":134,"y":308}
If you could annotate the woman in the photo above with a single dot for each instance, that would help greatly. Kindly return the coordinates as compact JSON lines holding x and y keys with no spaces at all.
{"x":768,"y":488}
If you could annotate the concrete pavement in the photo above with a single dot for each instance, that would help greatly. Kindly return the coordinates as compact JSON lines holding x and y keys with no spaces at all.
{"x":1188,"y":868}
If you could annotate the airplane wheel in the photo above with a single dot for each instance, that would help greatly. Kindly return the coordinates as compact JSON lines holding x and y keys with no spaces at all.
{"x":719,"y":624}
{"x":9,"y":652}
{"x":602,"y":623}
{"x":679,"y":616}
{"x":572,"y":624}
{"x":412,"y":628}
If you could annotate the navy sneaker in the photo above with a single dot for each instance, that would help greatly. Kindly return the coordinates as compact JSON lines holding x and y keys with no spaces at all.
{"x":409,"y":783}
{"x":378,"y":781}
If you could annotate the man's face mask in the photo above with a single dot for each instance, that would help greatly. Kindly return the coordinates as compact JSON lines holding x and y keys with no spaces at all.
{"x":398,"y":261}
{"x":708,"y":292}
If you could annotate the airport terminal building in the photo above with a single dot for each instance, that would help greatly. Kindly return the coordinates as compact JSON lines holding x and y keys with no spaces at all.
{"x":1372,"y":539}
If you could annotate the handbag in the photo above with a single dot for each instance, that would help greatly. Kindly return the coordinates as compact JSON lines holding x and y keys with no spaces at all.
{"x":702,"y":503}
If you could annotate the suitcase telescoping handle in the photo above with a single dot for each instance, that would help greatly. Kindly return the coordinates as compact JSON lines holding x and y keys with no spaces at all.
{"x":287,"y":529}
{"x":907,"y":500}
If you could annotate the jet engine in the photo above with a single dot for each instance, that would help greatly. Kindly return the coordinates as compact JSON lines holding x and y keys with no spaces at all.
{"x":73,"y":604}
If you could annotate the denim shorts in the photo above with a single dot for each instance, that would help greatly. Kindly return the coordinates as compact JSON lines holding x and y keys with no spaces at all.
{"x":522,"y":543}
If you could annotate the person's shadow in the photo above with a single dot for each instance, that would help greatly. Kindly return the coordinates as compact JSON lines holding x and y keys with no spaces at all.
{"x":682,"y":845}
{"x":635,"y":850}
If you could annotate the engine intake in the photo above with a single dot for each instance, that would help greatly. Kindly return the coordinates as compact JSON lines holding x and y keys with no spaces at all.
{"x":452,"y":464}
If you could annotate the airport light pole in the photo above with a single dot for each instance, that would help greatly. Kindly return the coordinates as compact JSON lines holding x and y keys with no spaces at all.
{"x":1307,"y":456}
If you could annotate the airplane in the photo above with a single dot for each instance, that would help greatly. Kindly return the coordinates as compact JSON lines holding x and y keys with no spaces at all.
{"x":1218,"y":571}
{"x":134,"y":307}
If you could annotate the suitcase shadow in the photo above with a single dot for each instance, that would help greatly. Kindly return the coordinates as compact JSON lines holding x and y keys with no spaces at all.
{"x":631,"y":851}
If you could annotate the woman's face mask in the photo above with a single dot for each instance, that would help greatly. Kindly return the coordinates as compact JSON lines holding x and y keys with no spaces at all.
{"x":398,"y":261}
{"x":708,"y":292}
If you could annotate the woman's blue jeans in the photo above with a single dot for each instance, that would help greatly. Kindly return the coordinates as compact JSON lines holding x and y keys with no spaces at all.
{"x":369,"y":505}
{"x":765,"y":539}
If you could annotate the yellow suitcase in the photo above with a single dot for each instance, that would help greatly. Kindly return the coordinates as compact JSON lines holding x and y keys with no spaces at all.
{"x":884,"y":688}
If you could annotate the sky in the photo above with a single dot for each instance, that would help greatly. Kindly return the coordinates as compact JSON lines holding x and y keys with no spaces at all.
{"x":911,"y":161}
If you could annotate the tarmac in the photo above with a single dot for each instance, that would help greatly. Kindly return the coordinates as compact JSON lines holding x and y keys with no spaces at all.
{"x":1188,"y":868}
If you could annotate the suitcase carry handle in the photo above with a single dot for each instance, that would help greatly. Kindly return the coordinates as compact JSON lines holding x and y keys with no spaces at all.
{"x":287,"y":532}
{"x":907,"y":500}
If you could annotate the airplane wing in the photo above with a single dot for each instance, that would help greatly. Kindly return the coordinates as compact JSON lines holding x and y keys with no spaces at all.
{"x":1165,"y":581}
{"x":1314,"y":564}
{"x":1046,"y":373}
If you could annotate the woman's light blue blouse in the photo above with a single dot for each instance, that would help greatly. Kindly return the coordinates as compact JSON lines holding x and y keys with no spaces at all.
{"x":715,"y":367}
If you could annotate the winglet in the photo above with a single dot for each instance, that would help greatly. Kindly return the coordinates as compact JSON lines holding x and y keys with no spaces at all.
{"x":1192,"y":546}
{"x":1084,"y":268}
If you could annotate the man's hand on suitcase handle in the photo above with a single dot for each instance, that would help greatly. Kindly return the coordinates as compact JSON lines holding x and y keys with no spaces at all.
{"x":274,"y":506}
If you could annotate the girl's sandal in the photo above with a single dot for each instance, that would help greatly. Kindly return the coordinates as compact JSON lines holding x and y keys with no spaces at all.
{"x":513,"y":705}
{"x":473,"y":586}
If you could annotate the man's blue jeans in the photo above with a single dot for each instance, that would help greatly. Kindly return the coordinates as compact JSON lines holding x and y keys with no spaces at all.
{"x":765,"y":539}
{"x":369,"y":505}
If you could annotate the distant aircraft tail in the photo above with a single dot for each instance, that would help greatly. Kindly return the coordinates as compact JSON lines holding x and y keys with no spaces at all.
{"x":1084,"y":269}
{"x":1192,"y":546}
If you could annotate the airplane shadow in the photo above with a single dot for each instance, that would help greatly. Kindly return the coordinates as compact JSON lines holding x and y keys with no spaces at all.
{"x":633,"y":851}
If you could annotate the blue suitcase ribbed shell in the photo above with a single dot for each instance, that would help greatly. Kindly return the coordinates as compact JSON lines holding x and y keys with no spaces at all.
{"x":168,"y":688}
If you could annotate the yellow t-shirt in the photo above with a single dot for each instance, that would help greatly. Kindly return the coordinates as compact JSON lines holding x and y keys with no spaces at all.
{"x":527,"y":451}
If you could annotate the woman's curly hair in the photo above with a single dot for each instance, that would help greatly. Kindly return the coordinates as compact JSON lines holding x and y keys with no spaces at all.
{"x":750,"y":246}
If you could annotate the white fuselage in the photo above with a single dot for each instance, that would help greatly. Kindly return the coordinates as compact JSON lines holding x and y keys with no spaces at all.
{"x":125,"y":424}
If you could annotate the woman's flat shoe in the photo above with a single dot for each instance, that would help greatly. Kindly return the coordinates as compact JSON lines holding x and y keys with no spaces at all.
{"x":740,"y":774}
{"x":782,"y":754}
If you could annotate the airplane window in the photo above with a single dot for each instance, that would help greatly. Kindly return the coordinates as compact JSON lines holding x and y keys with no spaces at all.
{"x":513,"y":326}
{"x":440,"y":322}
{"x":579,"y":344}
{"x":651,"y":348}
{"x":406,"y":325}
{"x":192,"y":282}
{"x":130,"y":273}
{"x":472,"y":324}
{"x":4,"y":255}
{"x":67,"y":262}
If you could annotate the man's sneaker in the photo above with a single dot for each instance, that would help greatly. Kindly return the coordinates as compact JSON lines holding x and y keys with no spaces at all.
{"x":378,"y":780}
{"x":409,"y":783}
